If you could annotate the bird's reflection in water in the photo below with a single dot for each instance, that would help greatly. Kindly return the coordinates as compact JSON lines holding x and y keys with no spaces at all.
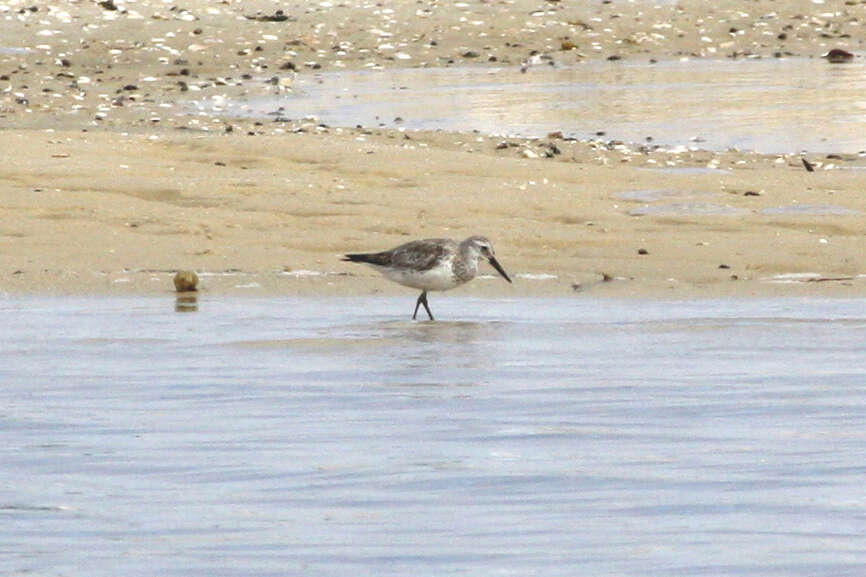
{"x":441,"y":345}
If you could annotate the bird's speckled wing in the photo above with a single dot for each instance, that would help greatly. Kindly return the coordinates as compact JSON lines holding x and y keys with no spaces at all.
{"x":421,"y":255}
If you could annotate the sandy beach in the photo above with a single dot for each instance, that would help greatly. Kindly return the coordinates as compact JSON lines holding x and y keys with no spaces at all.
{"x":110,"y":181}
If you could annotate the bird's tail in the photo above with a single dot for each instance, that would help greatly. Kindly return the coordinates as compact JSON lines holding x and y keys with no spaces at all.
{"x":369,"y":258}
{"x":355,"y":257}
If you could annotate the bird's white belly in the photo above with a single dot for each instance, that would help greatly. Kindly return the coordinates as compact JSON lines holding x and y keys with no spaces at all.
{"x":439,"y":278}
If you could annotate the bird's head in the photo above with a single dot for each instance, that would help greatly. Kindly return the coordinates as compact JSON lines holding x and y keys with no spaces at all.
{"x":479,"y":246}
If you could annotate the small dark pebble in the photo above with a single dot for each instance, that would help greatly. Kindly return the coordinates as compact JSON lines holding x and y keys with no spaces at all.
{"x":751,"y":193}
{"x":130,"y":87}
{"x":642,"y":251}
{"x":278,"y":16}
{"x":724,"y":266}
{"x":838,"y":56}
{"x":614,"y":57}
{"x":219,"y":163}
{"x":108,"y":5}
{"x":808,"y":165}
{"x":470,"y":54}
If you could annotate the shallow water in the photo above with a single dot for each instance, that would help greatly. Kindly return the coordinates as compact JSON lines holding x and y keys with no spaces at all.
{"x":688,"y":208}
{"x":514,"y":437}
{"x":811,"y":210}
{"x":769,"y":105}
{"x":664,"y":202}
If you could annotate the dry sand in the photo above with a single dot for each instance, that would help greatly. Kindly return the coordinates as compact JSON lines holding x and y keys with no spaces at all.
{"x":108,"y":184}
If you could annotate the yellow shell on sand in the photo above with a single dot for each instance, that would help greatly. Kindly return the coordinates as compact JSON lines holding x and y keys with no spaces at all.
{"x":185,"y":280}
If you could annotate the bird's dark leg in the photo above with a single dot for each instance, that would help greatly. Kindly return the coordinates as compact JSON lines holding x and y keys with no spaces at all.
{"x":417,"y":304}
{"x":427,"y":308}
{"x":422,"y":300}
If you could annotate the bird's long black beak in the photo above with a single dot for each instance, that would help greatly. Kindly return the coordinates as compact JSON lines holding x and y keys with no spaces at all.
{"x":498,"y":267}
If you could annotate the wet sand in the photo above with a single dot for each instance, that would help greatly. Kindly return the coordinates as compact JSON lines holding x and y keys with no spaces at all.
{"x":110,"y":182}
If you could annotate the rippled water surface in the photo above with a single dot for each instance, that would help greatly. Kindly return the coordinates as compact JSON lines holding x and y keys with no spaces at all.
{"x":514,"y":437}
{"x":770,"y":105}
